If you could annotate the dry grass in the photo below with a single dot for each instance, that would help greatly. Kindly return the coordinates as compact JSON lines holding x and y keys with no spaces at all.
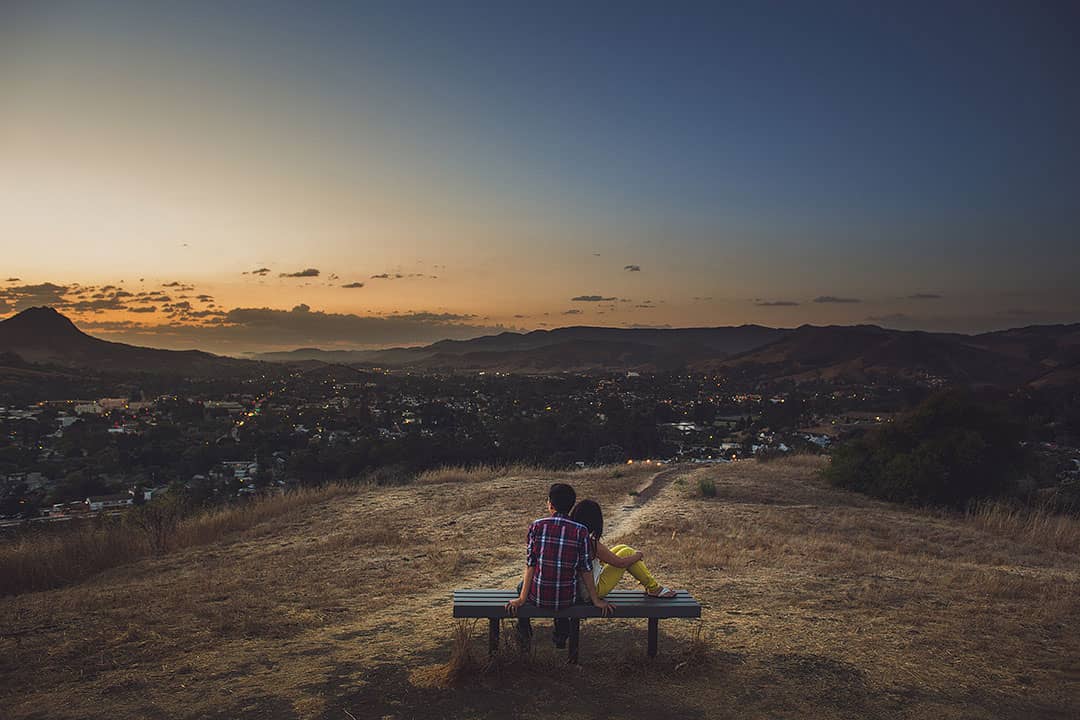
{"x":60,"y":556}
{"x":484,"y":473}
{"x":817,"y":603}
{"x":1038,"y":526}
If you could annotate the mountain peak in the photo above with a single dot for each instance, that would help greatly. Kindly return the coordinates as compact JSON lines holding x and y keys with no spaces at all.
{"x":43,"y":321}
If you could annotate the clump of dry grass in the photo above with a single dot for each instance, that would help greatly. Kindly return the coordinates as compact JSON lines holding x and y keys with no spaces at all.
{"x":47,"y":560}
{"x":58,"y":557}
{"x":465,"y":666}
{"x":1038,"y":525}
{"x":475,"y":473}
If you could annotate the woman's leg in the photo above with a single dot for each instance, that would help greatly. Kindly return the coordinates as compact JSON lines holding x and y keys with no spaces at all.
{"x":609,"y":578}
{"x":638,"y":569}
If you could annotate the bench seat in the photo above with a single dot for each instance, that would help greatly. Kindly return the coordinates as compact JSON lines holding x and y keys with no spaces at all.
{"x":491,"y":604}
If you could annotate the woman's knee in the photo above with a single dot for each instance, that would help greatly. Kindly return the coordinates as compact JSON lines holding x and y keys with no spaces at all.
{"x":623,"y":550}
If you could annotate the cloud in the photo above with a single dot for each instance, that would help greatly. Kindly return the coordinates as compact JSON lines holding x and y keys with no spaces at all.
{"x":924,"y":296}
{"x":246,"y":329}
{"x":775,"y":303}
{"x":834,"y":299}
{"x":305,"y":273}
{"x":95,"y":305}
{"x":387,"y":276}
{"x":592,"y":298}
{"x":354,"y":285}
{"x":24,"y":296}
{"x":571,"y":312}
{"x":147,"y":309}
{"x":261,"y":271}
{"x":632,"y":268}
{"x":12,"y":280}
{"x":5,"y":308}
{"x":643,"y":306}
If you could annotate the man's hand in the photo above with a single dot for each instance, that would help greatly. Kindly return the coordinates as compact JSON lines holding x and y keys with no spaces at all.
{"x":513,"y":605}
{"x":637,"y":557}
{"x":606,"y":608}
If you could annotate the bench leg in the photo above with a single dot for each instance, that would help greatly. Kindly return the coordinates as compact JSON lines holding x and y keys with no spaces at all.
{"x":575,"y":637}
{"x":493,"y":635}
{"x":654,"y":632}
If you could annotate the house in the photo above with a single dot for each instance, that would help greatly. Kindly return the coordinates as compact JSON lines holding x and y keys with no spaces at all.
{"x":99,"y":503}
{"x":90,"y":408}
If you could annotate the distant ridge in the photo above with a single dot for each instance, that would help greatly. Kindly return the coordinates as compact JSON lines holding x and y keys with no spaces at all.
{"x":1040,"y":355}
{"x":577,"y":348}
{"x":43,"y":335}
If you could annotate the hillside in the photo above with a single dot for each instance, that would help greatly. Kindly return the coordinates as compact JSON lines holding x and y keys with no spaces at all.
{"x":817,"y":603}
{"x":865,"y":352}
{"x":43,"y":335}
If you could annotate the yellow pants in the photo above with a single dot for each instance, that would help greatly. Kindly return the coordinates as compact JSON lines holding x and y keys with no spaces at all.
{"x":611,"y":575}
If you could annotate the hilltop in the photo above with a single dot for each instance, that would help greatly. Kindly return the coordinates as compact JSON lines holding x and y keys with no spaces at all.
{"x":817,"y":603}
{"x":44,"y":336}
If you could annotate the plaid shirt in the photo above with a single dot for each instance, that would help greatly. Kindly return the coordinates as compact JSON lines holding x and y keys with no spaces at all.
{"x":559,"y":549}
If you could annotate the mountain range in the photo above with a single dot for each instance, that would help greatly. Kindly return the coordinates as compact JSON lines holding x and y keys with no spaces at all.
{"x":1046,"y":355}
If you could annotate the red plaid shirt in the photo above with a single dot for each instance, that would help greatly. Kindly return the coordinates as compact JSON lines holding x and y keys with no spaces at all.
{"x":559,"y":549}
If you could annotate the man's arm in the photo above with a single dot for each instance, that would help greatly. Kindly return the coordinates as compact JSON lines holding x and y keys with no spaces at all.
{"x":523,"y":596}
{"x":531,"y":552}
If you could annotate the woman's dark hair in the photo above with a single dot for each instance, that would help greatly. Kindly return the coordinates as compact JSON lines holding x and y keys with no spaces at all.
{"x":588,"y":513}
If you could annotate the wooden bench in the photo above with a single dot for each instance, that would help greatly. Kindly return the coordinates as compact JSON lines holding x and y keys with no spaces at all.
{"x":491,"y":604}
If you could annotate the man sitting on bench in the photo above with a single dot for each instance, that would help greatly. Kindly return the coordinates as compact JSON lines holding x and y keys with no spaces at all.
{"x":558,"y":555}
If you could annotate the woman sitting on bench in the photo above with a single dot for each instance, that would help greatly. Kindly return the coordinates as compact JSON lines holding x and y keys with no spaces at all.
{"x":617,"y":560}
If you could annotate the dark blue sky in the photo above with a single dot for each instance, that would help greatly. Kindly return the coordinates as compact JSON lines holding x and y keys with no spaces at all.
{"x":747,"y":152}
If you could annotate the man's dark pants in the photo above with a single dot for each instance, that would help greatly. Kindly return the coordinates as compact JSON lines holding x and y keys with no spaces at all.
{"x":559,"y":634}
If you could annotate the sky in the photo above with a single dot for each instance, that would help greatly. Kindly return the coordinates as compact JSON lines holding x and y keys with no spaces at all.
{"x":240,"y":176}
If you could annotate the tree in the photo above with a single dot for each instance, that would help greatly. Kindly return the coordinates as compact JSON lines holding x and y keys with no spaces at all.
{"x":951,"y":450}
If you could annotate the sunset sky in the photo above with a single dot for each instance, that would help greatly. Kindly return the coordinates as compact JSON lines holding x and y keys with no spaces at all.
{"x":273,"y":175}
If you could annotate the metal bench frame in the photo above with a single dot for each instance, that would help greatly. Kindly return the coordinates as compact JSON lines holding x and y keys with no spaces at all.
{"x":491,"y":604}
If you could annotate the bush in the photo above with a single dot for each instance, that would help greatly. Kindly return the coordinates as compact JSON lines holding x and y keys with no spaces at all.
{"x":949,"y":451}
{"x":706,"y":487}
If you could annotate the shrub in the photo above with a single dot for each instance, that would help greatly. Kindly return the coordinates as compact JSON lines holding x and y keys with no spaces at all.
{"x":949,"y":451}
{"x":707,"y":487}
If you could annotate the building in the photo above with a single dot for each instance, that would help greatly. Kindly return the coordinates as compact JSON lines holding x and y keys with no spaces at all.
{"x":99,"y":503}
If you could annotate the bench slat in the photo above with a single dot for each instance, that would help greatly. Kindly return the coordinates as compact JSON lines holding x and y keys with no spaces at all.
{"x":489,"y":603}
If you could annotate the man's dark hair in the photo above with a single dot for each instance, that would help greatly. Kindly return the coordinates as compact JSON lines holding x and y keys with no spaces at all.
{"x":562,"y":497}
{"x":588,"y":513}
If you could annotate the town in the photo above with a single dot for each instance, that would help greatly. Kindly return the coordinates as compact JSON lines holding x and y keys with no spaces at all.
{"x":219,"y":439}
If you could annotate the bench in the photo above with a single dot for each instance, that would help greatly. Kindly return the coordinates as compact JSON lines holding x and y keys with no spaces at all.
{"x":491,"y":604}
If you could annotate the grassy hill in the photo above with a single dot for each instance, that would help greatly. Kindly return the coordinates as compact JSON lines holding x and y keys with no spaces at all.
{"x":817,"y":603}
